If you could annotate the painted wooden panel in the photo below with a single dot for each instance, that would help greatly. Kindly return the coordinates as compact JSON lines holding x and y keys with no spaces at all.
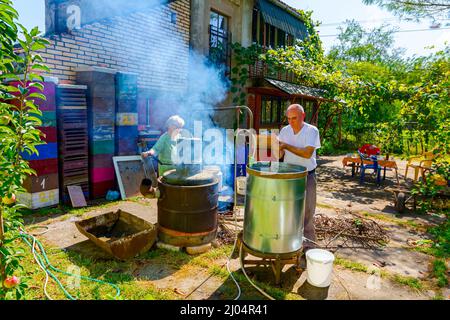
{"x":50,"y":93}
{"x":103,"y":104}
{"x":46,"y":151}
{"x":40,"y":199}
{"x":126,"y":147}
{"x":127,"y":104}
{"x":44,"y":167}
{"x":100,"y":133}
{"x":102,"y":174}
{"x":101,"y":161}
{"x":128,"y":133}
{"x":102,"y":147}
{"x":50,"y":134}
{"x":127,"y":119}
{"x":48,"y":119}
{"x":35,"y":184}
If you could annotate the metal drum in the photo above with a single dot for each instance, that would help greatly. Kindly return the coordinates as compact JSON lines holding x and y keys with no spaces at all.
{"x":275,"y":207}
{"x":187,"y":208}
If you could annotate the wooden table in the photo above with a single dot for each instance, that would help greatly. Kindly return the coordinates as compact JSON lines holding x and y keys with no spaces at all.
{"x":355,"y":163}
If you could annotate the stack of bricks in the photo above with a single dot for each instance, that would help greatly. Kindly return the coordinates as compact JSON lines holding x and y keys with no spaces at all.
{"x":73,"y":139}
{"x":101,"y":114}
{"x":126,"y":114}
{"x":42,"y":190}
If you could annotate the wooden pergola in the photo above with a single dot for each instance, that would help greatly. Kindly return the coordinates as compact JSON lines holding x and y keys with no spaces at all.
{"x":293,"y":93}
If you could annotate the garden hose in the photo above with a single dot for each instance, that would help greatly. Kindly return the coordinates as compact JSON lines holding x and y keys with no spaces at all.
{"x":43,"y":269}
{"x":45,"y":264}
{"x":248,"y":279}
{"x":232,"y":251}
{"x":251,"y":282}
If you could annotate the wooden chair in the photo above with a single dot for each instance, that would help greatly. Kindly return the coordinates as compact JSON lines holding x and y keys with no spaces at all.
{"x":422,"y":165}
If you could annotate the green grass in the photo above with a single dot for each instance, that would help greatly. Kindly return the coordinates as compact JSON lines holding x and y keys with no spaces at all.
{"x":113,"y":271}
{"x":355,"y":266}
{"x":132,"y":287}
{"x":209,"y":261}
{"x":411,"y":282}
{"x":440,"y":272}
{"x":64,"y":212}
{"x":408,"y":281}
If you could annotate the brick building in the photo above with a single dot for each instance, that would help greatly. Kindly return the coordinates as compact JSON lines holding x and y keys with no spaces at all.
{"x":122,"y":43}
{"x":126,"y":55}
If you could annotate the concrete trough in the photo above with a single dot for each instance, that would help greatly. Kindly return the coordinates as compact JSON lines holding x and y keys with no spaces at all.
{"x":119,"y":233}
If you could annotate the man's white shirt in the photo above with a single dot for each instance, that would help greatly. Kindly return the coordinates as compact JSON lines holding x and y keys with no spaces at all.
{"x":307,"y":137}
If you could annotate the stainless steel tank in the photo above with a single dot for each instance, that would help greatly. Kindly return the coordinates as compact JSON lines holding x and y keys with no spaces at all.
{"x":274,"y":207}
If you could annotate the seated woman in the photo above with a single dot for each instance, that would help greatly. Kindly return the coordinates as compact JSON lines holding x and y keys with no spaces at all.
{"x":165,"y":147}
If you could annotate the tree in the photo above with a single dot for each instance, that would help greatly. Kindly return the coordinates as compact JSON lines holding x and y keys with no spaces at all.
{"x":415,"y":9}
{"x":360,"y":45}
{"x":20,"y":85}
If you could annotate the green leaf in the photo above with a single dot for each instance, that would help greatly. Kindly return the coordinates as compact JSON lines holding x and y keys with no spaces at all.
{"x":34,"y":32}
{"x":34,"y":76}
{"x":42,"y":67}
{"x":37,"y":95}
{"x":37,"y":85}
{"x":23,"y":91}
{"x":37,"y":46}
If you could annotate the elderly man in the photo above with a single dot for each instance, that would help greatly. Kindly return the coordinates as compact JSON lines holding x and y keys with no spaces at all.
{"x":165,"y":147}
{"x":298,"y":143}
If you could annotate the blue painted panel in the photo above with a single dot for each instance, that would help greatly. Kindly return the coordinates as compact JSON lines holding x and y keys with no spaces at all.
{"x":46,"y":151}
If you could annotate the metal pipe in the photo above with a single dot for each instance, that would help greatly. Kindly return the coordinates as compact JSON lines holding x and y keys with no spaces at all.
{"x":250,"y":112}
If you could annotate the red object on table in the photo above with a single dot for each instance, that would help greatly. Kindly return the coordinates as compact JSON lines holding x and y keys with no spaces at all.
{"x":370,"y":150}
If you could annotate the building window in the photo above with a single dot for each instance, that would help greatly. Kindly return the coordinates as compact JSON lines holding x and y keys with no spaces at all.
{"x":273,"y":110}
{"x":219,"y":41}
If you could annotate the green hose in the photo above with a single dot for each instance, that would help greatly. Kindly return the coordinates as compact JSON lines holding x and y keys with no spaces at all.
{"x":25,"y":237}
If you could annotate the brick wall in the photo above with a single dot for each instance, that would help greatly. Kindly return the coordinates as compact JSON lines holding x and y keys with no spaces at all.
{"x":129,"y":44}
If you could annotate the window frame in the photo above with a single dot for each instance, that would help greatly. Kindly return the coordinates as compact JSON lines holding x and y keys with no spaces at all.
{"x":220,"y":33}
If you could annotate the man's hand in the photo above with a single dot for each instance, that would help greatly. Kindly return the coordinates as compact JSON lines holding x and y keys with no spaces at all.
{"x":306,"y":152}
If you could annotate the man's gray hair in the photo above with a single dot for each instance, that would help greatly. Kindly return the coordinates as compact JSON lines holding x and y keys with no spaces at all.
{"x":295,"y":107}
{"x":175,"y":121}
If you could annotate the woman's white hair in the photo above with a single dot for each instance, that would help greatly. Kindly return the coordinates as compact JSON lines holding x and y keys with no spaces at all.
{"x":175,"y":121}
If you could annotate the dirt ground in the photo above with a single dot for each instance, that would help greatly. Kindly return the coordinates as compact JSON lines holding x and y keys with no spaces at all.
{"x":338,"y":195}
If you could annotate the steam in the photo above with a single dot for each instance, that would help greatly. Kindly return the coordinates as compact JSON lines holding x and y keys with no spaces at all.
{"x":182,"y":81}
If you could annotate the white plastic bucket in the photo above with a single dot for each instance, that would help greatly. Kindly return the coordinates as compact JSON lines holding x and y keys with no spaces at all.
{"x":319,"y":266}
{"x":241,"y":185}
{"x":215,"y":170}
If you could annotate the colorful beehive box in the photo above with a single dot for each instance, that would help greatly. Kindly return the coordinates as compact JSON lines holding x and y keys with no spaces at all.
{"x":42,"y":189}
{"x":101,"y":98}
{"x":126,"y":138}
